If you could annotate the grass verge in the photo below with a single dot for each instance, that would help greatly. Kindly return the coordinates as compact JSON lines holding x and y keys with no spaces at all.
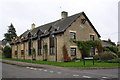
{"x":88,"y":64}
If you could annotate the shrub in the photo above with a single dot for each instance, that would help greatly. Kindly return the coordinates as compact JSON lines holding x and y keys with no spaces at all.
{"x":106,"y":49}
{"x":76,"y":59}
{"x":115,"y":55}
{"x":114,"y":60}
{"x":119,"y":54}
{"x":114,"y":49}
{"x":85,"y":46}
{"x":66,"y":58}
{"x":96,"y":57}
{"x":7,"y":51}
{"x":107,"y":56}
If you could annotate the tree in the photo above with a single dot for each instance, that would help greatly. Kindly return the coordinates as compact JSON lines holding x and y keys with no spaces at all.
{"x":7,"y":52}
{"x":66,"y":58}
{"x":10,"y":33}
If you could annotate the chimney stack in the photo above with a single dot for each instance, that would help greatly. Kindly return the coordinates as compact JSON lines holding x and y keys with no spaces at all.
{"x":64,"y":14}
{"x":32,"y":26}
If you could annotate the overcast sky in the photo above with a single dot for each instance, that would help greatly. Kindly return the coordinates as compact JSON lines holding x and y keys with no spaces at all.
{"x":22,"y":13}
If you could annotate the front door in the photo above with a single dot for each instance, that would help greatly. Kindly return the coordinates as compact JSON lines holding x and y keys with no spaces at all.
{"x":34,"y":56}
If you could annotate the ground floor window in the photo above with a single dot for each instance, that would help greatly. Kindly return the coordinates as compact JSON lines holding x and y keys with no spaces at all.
{"x":39,"y":47}
{"x":73,"y":51}
{"x":22,"y":52}
{"x":39,"y":51}
{"x":52,"y":51}
{"x":16,"y":53}
{"x":29,"y":47}
{"x":92,"y":51}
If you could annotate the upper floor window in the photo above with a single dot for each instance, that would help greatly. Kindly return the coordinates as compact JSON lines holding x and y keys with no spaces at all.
{"x":73,"y":51}
{"x":91,"y":37}
{"x":22,"y":52}
{"x":72,"y":35}
{"x":83,"y":21}
{"x":29,"y":35}
{"x":39,"y":32}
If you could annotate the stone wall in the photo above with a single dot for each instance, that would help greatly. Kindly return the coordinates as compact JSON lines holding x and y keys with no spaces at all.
{"x":83,"y":32}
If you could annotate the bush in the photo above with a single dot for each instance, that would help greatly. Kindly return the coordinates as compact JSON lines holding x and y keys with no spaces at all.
{"x":113,"y":49}
{"x":114,"y":60}
{"x":7,"y":51}
{"x":119,"y":54}
{"x":114,"y":54}
{"x":66,"y":58}
{"x":96,"y":57}
{"x":107,"y":56}
{"x":106,"y":49}
{"x":76,"y":59}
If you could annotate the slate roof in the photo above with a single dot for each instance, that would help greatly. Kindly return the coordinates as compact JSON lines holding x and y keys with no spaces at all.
{"x":107,"y":44}
{"x":56,"y":27}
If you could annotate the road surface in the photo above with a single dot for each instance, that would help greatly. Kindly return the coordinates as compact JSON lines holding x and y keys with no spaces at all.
{"x":13,"y":71}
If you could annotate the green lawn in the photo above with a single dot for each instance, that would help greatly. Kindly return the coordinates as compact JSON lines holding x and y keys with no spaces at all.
{"x":70,"y":64}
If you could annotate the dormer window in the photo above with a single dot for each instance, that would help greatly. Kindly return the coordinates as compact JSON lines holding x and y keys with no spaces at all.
{"x":29,"y":35}
{"x":45,"y":31}
{"x":39,"y":32}
{"x":58,"y":28}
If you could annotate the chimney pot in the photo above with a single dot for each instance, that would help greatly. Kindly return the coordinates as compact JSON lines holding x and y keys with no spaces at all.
{"x":33,"y":26}
{"x":64,"y":14}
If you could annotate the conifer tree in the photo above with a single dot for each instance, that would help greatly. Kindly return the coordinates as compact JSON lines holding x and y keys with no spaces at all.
{"x":10,"y":33}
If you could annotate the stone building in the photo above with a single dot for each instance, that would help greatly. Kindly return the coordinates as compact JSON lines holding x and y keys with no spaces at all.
{"x":46,"y":42}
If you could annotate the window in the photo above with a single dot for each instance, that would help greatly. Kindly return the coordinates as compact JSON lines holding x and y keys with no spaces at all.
{"x":91,"y":37}
{"x":15,"y":52}
{"x":73,"y":51}
{"x":22,"y":52}
{"x":39,"y":32}
{"x":52,"y":51}
{"x":51,"y":45}
{"x":83,"y":21}
{"x":39,"y":51}
{"x":29,"y":47}
{"x":72,"y":35}
{"x":39,"y":47}
{"x":92,"y":51}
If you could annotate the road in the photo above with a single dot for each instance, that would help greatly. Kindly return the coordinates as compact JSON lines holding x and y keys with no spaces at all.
{"x":13,"y":71}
